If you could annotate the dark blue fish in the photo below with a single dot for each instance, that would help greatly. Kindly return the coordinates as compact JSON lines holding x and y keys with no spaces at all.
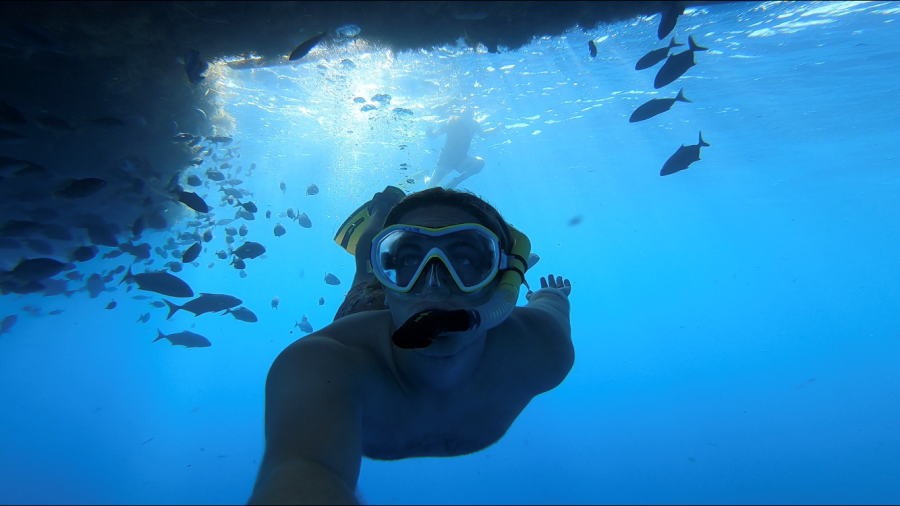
{"x":677,"y":64}
{"x":7,"y":324}
{"x":669,"y":19}
{"x":249,"y":250}
{"x":331,"y":279}
{"x":593,"y":48}
{"x":683,"y":158}
{"x":193,"y":201}
{"x":194,"y":181}
{"x":657,"y":55}
{"x":37,"y":269}
{"x":243,"y":314}
{"x":111,"y":305}
{"x":191,"y":253}
{"x":159,"y":282}
{"x":304,"y":49}
{"x":205,"y":303}
{"x":195,"y":67}
{"x":84,"y":253}
{"x":656,"y":106}
{"x":185,"y":338}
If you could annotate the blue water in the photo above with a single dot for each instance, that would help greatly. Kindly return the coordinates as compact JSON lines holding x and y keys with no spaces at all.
{"x":736,"y":325}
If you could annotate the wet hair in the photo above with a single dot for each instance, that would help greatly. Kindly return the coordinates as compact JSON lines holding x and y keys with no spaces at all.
{"x":484,"y":213}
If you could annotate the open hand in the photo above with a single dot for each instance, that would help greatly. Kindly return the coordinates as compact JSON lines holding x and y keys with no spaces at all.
{"x":557,"y":282}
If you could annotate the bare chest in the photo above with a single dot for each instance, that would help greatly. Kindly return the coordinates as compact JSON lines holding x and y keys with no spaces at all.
{"x":404,"y":428}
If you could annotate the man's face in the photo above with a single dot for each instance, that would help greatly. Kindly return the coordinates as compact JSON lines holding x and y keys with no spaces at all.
{"x":435,"y":288}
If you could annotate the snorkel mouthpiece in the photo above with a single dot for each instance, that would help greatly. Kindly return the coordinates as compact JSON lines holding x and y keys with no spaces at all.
{"x":422,"y":329}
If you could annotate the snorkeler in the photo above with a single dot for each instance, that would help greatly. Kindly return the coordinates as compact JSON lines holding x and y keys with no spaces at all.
{"x":445,"y":371}
{"x":455,"y":156}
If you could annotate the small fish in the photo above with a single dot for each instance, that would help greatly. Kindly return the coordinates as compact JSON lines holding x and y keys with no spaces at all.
{"x":593,"y":48}
{"x":575,"y":220}
{"x":656,"y":106}
{"x":112,"y":254}
{"x":194,"y":67}
{"x":683,"y":157}
{"x":304,"y":48}
{"x":249,"y":250}
{"x":275,"y":302}
{"x":56,"y":312}
{"x":157,"y":304}
{"x":280,"y":230}
{"x":669,"y":19}
{"x":331,"y":279}
{"x":111,"y":305}
{"x":207,"y":236}
{"x":141,"y":297}
{"x":184,"y":338}
{"x":7,"y":324}
{"x":290,"y":213}
{"x":304,"y":325}
{"x":226,"y":221}
{"x":36,"y":269}
{"x":174,"y":266}
{"x":304,"y":221}
{"x":243,"y":314}
{"x":194,"y":181}
{"x":283,"y":187}
{"x":268,"y":214}
{"x":677,"y":64}
{"x":215,"y":175}
{"x":193,"y":201}
{"x":321,"y":301}
{"x":138,"y":228}
{"x":243,"y":231}
{"x":222,"y":254}
{"x":160,"y":282}
{"x":250,"y":207}
{"x":84,"y":253}
{"x":239,"y":264}
{"x":657,"y":55}
{"x":243,"y":274}
{"x":80,"y":188}
{"x":229,"y":239}
{"x":205,"y":303}
{"x":191,"y":253}
{"x":144,"y":318}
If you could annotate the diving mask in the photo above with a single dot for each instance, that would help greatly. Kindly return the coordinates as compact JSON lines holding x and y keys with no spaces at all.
{"x":470,"y":252}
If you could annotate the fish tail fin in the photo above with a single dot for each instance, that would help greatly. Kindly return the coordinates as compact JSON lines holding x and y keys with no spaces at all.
{"x":125,"y":278}
{"x":681,"y":97}
{"x":172,"y":308}
{"x":159,"y":335}
{"x":702,"y":142}
{"x":693,"y":45}
{"x":672,"y":43}
{"x":226,"y":312}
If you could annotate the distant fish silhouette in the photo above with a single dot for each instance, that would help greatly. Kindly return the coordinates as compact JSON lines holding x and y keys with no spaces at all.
{"x":677,"y":64}
{"x":657,"y":55}
{"x":669,"y":19}
{"x":656,"y":106}
{"x":593,"y":48}
{"x":683,"y":158}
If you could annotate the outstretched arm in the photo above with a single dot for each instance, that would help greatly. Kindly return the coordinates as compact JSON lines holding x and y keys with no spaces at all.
{"x":313,"y":426}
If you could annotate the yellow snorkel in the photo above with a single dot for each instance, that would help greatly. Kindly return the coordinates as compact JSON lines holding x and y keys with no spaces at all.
{"x":422,"y":329}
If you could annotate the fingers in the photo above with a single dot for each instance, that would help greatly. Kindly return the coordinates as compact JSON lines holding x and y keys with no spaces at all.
{"x":544,"y":282}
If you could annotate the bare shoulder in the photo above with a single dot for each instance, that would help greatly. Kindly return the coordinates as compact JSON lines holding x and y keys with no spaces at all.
{"x":542,"y":343}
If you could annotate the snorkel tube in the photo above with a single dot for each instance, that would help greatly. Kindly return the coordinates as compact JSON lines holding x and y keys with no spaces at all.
{"x":422,"y":329}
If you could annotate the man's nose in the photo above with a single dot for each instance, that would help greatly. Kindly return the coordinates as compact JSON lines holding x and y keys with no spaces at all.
{"x":437,"y":278}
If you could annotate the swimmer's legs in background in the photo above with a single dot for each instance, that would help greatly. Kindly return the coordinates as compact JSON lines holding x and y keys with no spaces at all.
{"x":469,"y":167}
